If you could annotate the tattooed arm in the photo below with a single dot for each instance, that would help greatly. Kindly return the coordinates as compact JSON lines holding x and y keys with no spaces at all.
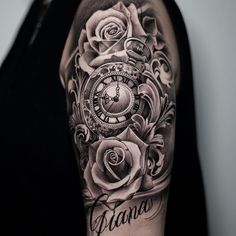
{"x":119,"y":69}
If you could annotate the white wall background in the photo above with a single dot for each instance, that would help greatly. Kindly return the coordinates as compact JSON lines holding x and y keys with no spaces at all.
{"x":12,"y":13}
{"x":211,"y":25}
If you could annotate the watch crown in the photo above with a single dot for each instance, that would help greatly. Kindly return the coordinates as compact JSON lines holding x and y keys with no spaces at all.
{"x":137,"y":50}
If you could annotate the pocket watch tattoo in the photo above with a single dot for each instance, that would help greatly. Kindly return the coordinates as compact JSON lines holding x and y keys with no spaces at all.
{"x":112,"y":97}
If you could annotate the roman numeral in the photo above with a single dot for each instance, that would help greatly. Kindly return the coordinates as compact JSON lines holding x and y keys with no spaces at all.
{"x":97,"y":94}
{"x":136,"y":106}
{"x":106,"y":119}
{"x":114,"y":77}
{"x":95,"y":102}
{"x":103,"y":82}
{"x":99,"y":112}
{"x":125,"y":80}
{"x":128,"y":115}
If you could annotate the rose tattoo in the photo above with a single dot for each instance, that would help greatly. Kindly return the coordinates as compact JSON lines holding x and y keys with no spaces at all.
{"x":103,"y":38}
{"x":116,"y":166}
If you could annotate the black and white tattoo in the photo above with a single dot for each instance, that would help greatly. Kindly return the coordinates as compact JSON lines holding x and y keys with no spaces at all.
{"x":122,"y":112}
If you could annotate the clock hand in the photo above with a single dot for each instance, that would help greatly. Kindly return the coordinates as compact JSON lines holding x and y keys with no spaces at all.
{"x":116,"y":98}
{"x":107,"y":98}
{"x":118,"y":89}
{"x":109,"y":108}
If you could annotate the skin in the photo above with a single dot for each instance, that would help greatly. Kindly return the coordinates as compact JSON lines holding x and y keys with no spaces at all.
{"x":120,"y":71}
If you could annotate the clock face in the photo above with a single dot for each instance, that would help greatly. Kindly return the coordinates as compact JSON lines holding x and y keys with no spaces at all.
{"x":111,"y":96}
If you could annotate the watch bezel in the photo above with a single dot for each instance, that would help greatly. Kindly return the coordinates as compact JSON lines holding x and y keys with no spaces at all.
{"x":101,"y":73}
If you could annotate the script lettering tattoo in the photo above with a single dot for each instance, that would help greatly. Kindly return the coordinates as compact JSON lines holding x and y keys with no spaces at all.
{"x":122,"y":110}
{"x":111,"y":219}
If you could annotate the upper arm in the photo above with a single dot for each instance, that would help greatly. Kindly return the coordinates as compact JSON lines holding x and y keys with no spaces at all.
{"x":119,"y":69}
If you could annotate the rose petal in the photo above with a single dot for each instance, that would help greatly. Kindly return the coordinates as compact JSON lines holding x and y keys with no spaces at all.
{"x":136,"y":159}
{"x":104,"y":22}
{"x":138,"y":31}
{"x":105,"y":45}
{"x":119,"y":151}
{"x":87,"y":47}
{"x":129,"y":135}
{"x":82,"y":40}
{"x":104,"y":146}
{"x":122,"y":168}
{"x":95,"y":43}
{"x":120,"y":6}
{"x":114,"y":164}
{"x":129,"y":158}
{"x":112,"y":47}
{"x":92,"y":187}
{"x":92,"y":152}
{"x":92,"y":23}
{"x":125,"y":192}
{"x":102,"y":47}
{"x":109,"y":44}
{"x":113,"y":57}
{"x":100,"y":179}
